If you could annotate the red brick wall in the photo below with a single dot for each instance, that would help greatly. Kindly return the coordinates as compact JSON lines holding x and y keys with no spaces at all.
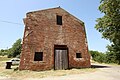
{"x":42,"y":33}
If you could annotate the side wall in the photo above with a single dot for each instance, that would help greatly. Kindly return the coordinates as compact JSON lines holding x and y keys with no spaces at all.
{"x":42,"y":33}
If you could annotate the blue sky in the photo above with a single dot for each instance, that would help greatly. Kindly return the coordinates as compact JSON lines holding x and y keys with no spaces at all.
{"x":15,"y":10}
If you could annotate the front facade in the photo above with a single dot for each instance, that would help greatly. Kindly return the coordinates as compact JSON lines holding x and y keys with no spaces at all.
{"x":53,"y":39}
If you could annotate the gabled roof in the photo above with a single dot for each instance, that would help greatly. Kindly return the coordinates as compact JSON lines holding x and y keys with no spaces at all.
{"x":82,"y":23}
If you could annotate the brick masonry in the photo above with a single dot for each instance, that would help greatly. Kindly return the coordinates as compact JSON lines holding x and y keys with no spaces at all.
{"x":42,"y":33}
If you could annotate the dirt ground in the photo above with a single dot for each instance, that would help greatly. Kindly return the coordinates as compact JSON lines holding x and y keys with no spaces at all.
{"x":103,"y":72}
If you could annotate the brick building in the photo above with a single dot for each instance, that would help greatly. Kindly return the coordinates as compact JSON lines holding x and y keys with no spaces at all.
{"x":53,"y":39}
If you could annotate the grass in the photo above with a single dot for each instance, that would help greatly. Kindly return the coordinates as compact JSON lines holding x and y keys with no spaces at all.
{"x":41,"y":74}
{"x":37,"y":74}
{"x":4,"y":58}
{"x":94,"y":62}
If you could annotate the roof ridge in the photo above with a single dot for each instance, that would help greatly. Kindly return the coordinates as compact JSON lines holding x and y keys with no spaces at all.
{"x":58,"y":8}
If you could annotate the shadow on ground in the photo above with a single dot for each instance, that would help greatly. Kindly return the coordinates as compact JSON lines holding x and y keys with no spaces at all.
{"x":99,"y":66}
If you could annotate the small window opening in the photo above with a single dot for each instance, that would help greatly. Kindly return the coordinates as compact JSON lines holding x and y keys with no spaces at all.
{"x":78,"y":55}
{"x":38,"y":56}
{"x":59,"y":20}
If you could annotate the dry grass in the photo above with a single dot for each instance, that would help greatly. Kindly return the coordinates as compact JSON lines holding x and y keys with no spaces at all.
{"x":4,"y":58}
{"x":38,"y":74}
{"x":41,"y":74}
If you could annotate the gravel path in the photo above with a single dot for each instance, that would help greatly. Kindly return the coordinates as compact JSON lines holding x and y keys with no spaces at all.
{"x":4,"y":78}
{"x":104,"y":72}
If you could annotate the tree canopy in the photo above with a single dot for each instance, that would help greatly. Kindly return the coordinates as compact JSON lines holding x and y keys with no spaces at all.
{"x":109,"y":25}
{"x":14,"y":51}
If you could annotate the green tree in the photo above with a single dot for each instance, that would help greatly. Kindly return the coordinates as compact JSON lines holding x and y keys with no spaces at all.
{"x":16,"y":49}
{"x":112,"y":55}
{"x":109,"y":25}
{"x":98,"y":56}
{"x":3,"y":52}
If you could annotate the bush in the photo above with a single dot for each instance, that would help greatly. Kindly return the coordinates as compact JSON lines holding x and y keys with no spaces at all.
{"x":98,"y":56}
{"x":3,"y":52}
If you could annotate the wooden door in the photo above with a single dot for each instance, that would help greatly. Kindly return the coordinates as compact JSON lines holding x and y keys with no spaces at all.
{"x":61,"y":59}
